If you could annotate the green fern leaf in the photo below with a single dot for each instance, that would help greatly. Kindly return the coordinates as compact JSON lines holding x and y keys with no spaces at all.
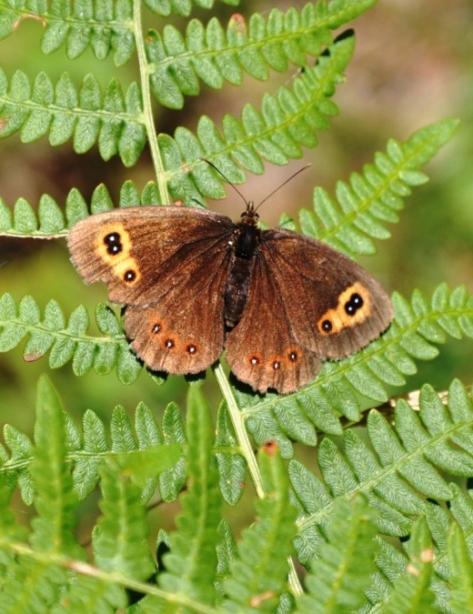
{"x":112,"y":119}
{"x":461,"y":578}
{"x":287,"y":117}
{"x":119,"y":538}
{"x":231,"y":465}
{"x":258,"y":574}
{"x":172,"y":480}
{"x":87,"y":594}
{"x":54,"y":498}
{"x":373,"y":198}
{"x":406,"y":461}
{"x":411,"y":591}
{"x":192,"y":560}
{"x":342,"y":571}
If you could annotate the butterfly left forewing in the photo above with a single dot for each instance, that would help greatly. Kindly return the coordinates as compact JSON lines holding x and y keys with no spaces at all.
{"x":136,"y":251}
{"x":334,"y":306}
{"x":261,"y":350}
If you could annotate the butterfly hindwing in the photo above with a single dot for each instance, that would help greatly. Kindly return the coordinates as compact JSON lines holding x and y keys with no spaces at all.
{"x":333,"y":305}
{"x":268,"y":356}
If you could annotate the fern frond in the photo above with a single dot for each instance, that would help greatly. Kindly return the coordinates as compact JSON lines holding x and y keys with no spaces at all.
{"x":102,"y":25}
{"x":373,"y":198}
{"x":155,"y":459}
{"x":119,"y":539}
{"x":88,"y":594}
{"x":286,"y":122}
{"x":54,"y":500}
{"x":345,"y":562}
{"x":411,"y":591}
{"x":403,"y":466}
{"x":461,"y":578}
{"x":231,"y":464}
{"x":416,"y":327}
{"x":192,"y":561}
{"x":258,"y":574}
{"x":112,"y":119}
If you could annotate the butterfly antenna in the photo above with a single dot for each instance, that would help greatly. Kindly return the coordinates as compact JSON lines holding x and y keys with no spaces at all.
{"x":226,"y":179}
{"x":282,"y":184}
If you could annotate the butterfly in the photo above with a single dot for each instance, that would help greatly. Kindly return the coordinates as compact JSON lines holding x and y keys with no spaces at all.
{"x":194,"y":284}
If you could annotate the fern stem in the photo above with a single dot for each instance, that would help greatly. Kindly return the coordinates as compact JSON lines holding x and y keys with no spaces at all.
{"x":239,"y":426}
{"x":238,"y":422}
{"x":147,"y":107}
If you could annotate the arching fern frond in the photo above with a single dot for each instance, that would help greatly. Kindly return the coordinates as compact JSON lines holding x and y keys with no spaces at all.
{"x":397,"y":475}
{"x":286,"y":122}
{"x":373,"y":198}
{"x":192,"y":561}
{"x":258,"y":574}
{"x":339,"y":575}
{"x":213,"y":55}
{"x":150,"y":452}
{"x":112,"y":119}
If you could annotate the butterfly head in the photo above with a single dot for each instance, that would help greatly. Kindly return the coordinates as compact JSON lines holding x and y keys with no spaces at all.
{"x":250,"y":217}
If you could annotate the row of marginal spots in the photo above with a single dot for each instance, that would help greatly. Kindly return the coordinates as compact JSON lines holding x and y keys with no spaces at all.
{"x":171,"y":342}
{"x":290,"y":359}
{"x":354,"y":307}
{"x":114,"y":245}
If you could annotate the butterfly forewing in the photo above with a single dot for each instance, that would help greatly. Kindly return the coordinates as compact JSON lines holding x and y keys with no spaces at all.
{"x":139,"y":251}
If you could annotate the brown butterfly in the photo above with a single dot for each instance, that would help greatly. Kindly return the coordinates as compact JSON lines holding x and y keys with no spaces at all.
{"x":195,"y":283}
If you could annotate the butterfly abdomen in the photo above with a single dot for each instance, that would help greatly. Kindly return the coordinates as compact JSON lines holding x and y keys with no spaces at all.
{"x":244,"y":243}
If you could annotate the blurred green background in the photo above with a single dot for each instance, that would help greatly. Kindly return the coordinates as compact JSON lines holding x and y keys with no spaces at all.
{"x":413,"y":65}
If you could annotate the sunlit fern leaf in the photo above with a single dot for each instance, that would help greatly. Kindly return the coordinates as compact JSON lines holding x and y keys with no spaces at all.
{"x":190,"y":566}
{"x":345,"y":562}
{"x":111,"y":118}
{"x":213,"y":54}
{"x":286,"y":122}
{"x":373,"y":198}
{"x":54,"y":499}
{"x":119,"y":539}
{"x":402,"y":468}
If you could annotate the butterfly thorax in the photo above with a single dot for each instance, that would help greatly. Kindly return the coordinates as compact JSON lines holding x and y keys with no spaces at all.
{"x":244,"y":243}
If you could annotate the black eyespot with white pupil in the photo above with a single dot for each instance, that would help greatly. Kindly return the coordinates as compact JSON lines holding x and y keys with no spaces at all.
{"x":129,"y":276}
{"x":191,"y":349}
{"x":156,"y":328}
{"x":293,"y":356}
{"x":113,"y":243}
{"x":169,"y":344}
{"x":354,"y":304}
{"x":276,"y":365}
{"x":326,"y":326}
